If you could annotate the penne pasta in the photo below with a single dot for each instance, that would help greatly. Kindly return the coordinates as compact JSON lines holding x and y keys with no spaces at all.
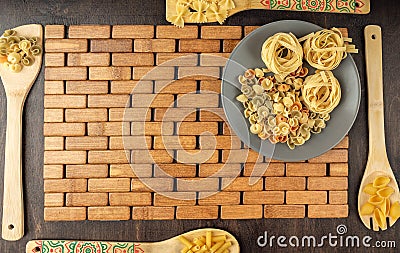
{"x":216,"y":246}
{"x":225,"y":246}
{"x":206,"y":244}
{"x":219,"y":238}
{"x":208,"y":239}
{"x":185,"y":241}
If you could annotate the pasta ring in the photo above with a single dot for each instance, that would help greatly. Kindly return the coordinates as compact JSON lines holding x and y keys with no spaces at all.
{"x":321,"y":92}
{"x":325,"y":49}
{"x":282,"y":54}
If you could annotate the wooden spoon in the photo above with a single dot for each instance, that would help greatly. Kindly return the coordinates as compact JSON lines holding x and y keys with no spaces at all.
{"x":378,"y":163}
{"x":334,"y":6}
{"x":16,"y":86}
{"x":169,"y":245}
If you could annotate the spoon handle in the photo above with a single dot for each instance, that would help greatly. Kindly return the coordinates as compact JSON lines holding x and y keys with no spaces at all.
{"x":13,"y":209}
{"x":41,"y":246}
{"x":373,"y":55}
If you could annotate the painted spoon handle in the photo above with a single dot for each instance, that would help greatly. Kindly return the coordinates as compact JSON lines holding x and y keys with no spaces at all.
{"x":334,"y":6}
{"x":41,"y":246}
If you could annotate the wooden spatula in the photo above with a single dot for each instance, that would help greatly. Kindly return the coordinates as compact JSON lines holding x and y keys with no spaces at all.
{"x":16,"y":86}
{"x":334,"y":6}
{"x":170,"y":245}
{"x":378,"y":163}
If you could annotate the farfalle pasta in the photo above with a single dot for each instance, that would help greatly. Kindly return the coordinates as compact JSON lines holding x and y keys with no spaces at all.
{"x":379,"y":205}
{"x":325,"y":49}
{"x":200,"y":11}
{"x":17,"y":51}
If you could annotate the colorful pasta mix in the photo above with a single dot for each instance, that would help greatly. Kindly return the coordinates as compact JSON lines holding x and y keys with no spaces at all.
{"x":18,"y":51}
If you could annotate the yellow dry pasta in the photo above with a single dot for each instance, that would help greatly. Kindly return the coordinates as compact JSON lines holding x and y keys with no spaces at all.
{"x":181,"y":12}
{"x":367,"y":209}
{"x":17,"y":51}
{"x":385,"y":192}
{"x":200,"y":11}
{"x":224,"y":247}
{"x":206,"y":244}
{"x":325,"y":49}
{"x":395,"y":210}
{"x":370,"y":189}
{"x":218,"y":12}
{"x":381,"y":181}
{"x":216,"y":246}
{"x":185,"y":241}
{"x":379,"y":204}
{"x":282,"y":54}
{"x":199,"y":16}
{"x":321,"y":92}
{"x":376,"y":200}
{"x":379,"y":217}
{"x":385,"y":207}
{"x":199,"y":241}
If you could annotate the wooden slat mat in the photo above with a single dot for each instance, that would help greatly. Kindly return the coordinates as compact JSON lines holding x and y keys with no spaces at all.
{"x":90,"y":73}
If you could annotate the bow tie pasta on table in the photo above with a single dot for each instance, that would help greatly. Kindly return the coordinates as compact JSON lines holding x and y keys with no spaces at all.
{"x":283,"y":102}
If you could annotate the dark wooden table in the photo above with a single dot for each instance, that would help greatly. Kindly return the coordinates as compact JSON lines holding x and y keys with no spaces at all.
{"x":384,"y":13}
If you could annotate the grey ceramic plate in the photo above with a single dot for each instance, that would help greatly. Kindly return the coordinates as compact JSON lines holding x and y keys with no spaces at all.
{"x":247,"y":55}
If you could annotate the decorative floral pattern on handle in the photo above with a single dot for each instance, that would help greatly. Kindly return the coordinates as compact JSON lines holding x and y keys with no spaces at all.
{"x":86,"y":247}
{"x":343,"y":6}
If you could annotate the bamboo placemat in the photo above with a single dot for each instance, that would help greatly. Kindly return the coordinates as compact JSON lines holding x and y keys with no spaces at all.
{"x":89,"y":75}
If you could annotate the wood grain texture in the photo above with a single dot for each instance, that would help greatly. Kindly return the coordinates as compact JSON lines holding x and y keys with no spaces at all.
{"x":133,"y":12}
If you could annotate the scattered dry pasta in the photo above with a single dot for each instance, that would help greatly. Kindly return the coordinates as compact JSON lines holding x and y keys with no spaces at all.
{"x":17,"y":51}
{"x":200,"y":11}
{"x":210,"y":243}
{"x":325,"y":49}
{"x":379,"y":204}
